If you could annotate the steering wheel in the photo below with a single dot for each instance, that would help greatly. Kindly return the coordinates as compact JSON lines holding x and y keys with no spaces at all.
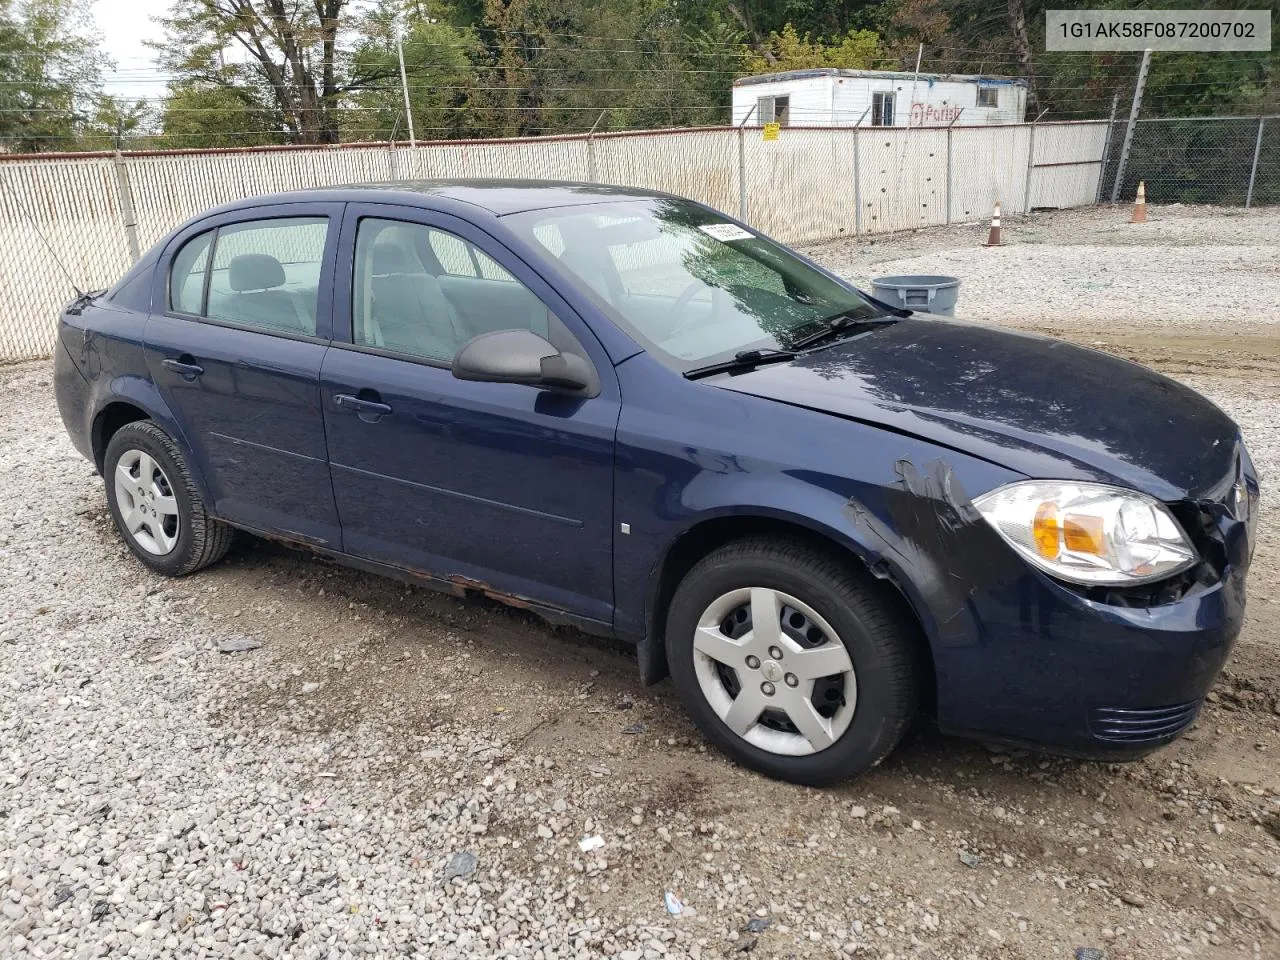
{"x":682,"y":301}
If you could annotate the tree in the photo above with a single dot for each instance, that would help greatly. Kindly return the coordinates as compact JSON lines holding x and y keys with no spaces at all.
{"x":1022,"y":48}
{"x":11,"y":50}
{"x":437,"y":59}
{"x":48,"y":73}
{"x":758,"y":19}
{"x":114,"y":123}
{"x":197,"y":115}
{"x":984,"y":37}
{"x":788,"y":50}
{"x":290,"y":50}
{"x":570,"y":66}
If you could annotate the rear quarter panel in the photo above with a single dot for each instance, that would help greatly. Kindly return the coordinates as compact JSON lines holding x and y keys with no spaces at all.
{"x":103,"y":346}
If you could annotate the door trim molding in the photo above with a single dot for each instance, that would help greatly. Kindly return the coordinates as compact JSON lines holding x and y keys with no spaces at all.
{"x":471,"y":498}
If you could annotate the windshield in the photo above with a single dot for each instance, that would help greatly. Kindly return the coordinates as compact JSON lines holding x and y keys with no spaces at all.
{"x":692,"y":287}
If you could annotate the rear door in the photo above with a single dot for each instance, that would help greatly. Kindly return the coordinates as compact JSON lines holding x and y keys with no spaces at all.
{"x":235,"y":342}
{"x":491,"y":485}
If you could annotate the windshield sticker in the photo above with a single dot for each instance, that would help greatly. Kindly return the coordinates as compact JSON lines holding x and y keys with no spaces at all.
{"x":726,"y":231}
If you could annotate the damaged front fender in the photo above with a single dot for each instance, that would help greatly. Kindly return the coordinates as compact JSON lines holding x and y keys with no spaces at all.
{"x":933,"y":543}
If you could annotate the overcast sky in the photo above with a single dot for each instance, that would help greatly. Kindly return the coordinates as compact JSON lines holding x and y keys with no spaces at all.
{"x":124,"y":26}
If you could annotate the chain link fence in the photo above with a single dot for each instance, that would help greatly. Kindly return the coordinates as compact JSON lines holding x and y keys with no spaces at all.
{"x":1232,"y":161}
{"x":63,"y":219}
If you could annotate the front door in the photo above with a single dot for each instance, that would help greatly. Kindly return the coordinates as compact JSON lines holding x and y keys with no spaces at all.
{"x":500,"y":487}
{"x":235,"y":340}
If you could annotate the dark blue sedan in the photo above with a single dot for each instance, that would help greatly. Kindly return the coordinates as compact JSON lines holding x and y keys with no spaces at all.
{"x":820,"y":515}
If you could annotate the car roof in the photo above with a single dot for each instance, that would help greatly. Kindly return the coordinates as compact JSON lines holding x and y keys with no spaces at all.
{"x":498,"y":197}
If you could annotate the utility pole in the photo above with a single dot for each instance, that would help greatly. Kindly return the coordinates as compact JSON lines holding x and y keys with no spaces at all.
{"x":1133,"y":122}
{"x":1253,"y":171}
{"x":593,"y":173}
{"x":404,"y":86}
{"x":1031,"y":163}
{"x":857,"y":174}
{"x":1106,"y":147}
{"x":124,"y":190}
{"x":919,"y":57}
{"x":742,"y":164}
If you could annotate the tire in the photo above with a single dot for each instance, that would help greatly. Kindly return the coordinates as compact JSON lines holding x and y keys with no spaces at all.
{"x":148,"y":482}
{"x":870,"y":707}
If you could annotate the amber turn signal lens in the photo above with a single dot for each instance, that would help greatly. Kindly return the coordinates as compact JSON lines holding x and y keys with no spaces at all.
{"x":1047,"y":530}
{"x":1083,"y":534}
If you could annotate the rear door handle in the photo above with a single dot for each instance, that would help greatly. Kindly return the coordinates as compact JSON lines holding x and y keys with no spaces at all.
{"x":369,"y":410}
{"x":185,"y":366}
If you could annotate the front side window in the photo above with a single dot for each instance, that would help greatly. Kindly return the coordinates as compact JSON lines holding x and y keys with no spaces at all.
{"x":265,"y":274}
{"x":461,"y":259}
{"x":424,"y":292}
{"x":690,"y":286}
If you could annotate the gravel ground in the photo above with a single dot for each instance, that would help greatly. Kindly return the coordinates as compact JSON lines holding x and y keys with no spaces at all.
{"x":1185,"y":267}
{"x":315,"y":795}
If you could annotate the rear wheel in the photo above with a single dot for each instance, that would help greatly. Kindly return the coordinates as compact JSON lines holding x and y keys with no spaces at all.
{"x":155,"y":503}
{"x":790,"y":662}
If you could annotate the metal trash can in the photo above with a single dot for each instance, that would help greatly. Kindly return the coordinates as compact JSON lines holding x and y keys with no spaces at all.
{"x":930,"y":294}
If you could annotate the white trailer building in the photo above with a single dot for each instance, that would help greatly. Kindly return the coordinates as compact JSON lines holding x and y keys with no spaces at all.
{"x":828,"y":97}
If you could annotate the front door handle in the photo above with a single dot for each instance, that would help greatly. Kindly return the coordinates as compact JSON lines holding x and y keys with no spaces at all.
{"x":367,"y":409}
{"x":185,"y":366}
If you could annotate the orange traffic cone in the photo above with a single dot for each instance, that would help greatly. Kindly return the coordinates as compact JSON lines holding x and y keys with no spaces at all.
{"x":993,"y":238}
{"x":1140,"y":205}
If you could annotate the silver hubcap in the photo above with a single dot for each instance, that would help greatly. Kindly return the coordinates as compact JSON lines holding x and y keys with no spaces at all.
{"x":774,"y":671}
{"x":148,"y":509}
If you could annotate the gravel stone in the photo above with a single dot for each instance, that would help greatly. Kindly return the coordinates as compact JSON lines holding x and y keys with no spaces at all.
{"x":186,"y":803}
{"x":461,"y":864}
{"x":239,"y":643}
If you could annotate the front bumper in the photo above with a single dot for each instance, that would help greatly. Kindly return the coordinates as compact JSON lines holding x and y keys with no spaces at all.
{"x":1040,"y":664}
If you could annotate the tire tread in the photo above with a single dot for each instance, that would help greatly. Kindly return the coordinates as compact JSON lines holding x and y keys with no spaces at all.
{"x":210,"y":538}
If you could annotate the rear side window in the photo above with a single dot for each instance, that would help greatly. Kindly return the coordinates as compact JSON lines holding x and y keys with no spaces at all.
{"x":266,"y":274}
{"x":263,"y":274}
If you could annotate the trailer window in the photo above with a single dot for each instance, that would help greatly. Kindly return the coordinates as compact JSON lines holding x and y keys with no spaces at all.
{"x":988,"y":96}
{"x":882,"y":109}
{"x":774,"y":110}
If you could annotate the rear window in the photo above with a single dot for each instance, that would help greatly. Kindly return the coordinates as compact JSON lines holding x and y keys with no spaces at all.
{"x":186,"y":277}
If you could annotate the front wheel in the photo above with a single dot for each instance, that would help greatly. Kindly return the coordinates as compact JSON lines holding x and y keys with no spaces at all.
{"x":791,"y":663}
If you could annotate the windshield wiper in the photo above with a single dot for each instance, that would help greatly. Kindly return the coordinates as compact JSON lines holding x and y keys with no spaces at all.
{"x":839,"y":326}
{"x":742,"y":360}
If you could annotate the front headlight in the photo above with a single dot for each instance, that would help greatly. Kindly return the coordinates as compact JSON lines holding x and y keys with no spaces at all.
{"x":1089,"y":533}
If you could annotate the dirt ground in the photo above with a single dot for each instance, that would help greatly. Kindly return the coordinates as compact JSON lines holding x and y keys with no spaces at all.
{"x":949,"y":850}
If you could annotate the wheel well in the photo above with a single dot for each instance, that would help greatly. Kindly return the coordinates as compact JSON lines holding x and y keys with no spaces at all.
{"x":710,"y":535}
{"x":112,"y":417}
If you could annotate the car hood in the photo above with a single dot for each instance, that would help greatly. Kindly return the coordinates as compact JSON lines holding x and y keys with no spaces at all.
{"x":1042,"y":407}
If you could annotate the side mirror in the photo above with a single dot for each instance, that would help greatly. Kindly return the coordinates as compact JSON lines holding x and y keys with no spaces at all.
{"x":521,"y":356}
